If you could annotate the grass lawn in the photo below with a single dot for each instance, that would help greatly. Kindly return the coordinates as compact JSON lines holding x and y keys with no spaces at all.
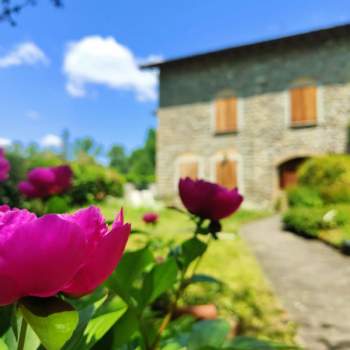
{"x":246,"y":298}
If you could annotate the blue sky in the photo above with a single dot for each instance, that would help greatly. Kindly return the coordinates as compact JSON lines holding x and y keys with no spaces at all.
{"x":50,"y":63}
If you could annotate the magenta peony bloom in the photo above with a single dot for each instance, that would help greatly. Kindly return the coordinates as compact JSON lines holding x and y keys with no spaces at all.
{"x":150,"y":218}
{"x":4,"y":166}
{"x":208,"y":200}
{"x":44,"y":182}
{"x":70,"y":253}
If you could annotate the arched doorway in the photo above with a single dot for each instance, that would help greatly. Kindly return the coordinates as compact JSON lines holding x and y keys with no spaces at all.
{"x":287,"y":172}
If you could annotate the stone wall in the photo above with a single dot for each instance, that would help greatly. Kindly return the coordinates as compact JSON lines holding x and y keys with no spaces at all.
{"x":261,"y":82}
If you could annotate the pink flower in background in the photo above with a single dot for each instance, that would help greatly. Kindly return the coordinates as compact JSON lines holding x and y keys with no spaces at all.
{"x":208,"y":200}
{"x":4,"y":166}
{"x":150,"y":218}
{"x":70,"y":253}
{"x":44,"y":182}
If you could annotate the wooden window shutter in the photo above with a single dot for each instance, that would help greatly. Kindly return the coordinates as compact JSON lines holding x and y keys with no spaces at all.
{"x":189,"y":169}
{"x":226,"y":115}
{"x":304,"y":105}
{"x":226,"y":173}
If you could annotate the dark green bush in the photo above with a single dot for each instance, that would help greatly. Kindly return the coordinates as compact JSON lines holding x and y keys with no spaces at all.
{"x":9,"y":193}
{"x":302,"y":196}
{"x":309,"y":221}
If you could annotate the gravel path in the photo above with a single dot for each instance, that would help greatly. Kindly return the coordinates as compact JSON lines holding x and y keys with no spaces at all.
{"x":311,"y":279}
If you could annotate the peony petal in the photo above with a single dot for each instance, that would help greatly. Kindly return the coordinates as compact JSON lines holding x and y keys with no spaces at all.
{"x":225,"y":203}
{"x":9,"y":290}
{"x":103,"y":261}
{"x":4,"y":208}
{"x":91,"y":222}
{"x":43,"y":255}
{"x":29,"y":190}
{"x":41,"y":176}
{"x":208,"y":200}
{"x":63,"y":177}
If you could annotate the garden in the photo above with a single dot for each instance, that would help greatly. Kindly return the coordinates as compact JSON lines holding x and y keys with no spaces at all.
{"x":319,"y":206}
{"x":81,"y":268}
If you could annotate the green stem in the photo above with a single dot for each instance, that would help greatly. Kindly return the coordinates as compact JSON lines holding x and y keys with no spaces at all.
{"x":22,"y":335}
{"x":199,"y":260}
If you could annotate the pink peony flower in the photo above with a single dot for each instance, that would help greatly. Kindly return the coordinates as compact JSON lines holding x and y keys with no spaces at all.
{"x":70,"y":253}
{"x":4,"y":166}
{"x":150,"y":218}
{"x":208,"y":200}
{"x":44,"y":182}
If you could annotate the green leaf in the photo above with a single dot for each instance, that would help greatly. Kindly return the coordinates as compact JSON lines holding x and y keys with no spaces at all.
{"x":209,"y":333}
{"x":203,"y":278}
{"x":5,"y":318}
{"x":3,"y":346}
{"x":125,"y":328}
{"x":129,"y":269}
{"x":52,"y":319}
{"x":104,"y":319}
{"x":191,"y":250}
{"x":248,"y":343}
{"x":95,"y":321}
{"x":57,"y":205}
{"x":160,"y":279}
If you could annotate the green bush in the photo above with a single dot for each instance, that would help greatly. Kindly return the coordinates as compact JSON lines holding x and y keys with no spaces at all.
{"x":94,"y":182}
{"x":302,"y":196}
{"x":309,"y":221}
{"x":9,"y":193}
{"x":328,"y":175}
{"x":325,"y":170}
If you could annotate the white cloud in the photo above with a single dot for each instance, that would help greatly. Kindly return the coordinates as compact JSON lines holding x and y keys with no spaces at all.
{"x":104,"y":61}
{"x":26,"y":53}
{"x":4,"y":142}
{"x":51,"y":140}
{"x":33,"y":115}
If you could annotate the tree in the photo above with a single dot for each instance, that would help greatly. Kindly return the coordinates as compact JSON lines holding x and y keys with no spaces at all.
{"x":86,"y":147}
{"x":9,"y":8}
{"x":139,"y":166}
{"x":118,"y":158}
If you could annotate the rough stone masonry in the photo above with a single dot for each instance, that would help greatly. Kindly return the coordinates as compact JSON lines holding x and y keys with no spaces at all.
{"x":260,"y":76}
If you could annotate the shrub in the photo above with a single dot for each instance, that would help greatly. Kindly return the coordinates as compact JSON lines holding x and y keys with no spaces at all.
{"x":329,"y":176}
{"x":309,"y":221}
{"x":302,"y":196}
{"x":93,"y":182}
{"x":9,"y":193}
{"x":325,"y":170}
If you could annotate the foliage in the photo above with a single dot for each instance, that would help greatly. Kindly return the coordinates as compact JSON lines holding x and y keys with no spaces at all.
{"x":304,"y":222}
{"x":134,"y":309}
{"x":302,"y":196}
{"x":329,"y":175}
{"x":249,"y":303}
{"x":329,"y":223}
{"x":139,"y":166}
{"x":9,"y":193}
{"x":9,"y":8}
{"x":93,"y":182}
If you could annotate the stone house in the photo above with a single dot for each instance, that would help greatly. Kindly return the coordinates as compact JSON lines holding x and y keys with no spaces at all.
{"x":247,"y":116}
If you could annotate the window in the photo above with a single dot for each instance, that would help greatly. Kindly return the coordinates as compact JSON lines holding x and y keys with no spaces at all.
{"x":226,"y":115}
{"x":226,"y":173}
{"x":189,"y":169}
{"x":303,"y":106}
